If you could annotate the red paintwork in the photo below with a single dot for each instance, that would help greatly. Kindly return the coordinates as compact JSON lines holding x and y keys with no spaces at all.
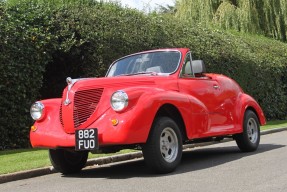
{"x":206,"y":111}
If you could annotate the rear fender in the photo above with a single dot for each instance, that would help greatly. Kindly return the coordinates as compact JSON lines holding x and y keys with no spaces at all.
{"x":247,"y":102}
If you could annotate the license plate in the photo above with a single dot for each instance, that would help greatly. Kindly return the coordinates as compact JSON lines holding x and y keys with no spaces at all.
{"x":86,"y":139}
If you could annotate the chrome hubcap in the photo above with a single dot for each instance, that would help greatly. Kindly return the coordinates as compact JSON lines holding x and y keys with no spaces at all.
{"x":252,"y":130}
{"x":168,"y":144}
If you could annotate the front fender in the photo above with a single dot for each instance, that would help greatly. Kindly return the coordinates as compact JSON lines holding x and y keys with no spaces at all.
{"x":49,"y":133}
{"x":134,"y":123}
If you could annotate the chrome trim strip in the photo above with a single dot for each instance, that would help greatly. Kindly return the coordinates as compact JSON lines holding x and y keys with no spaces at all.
{"x":70,"y":83}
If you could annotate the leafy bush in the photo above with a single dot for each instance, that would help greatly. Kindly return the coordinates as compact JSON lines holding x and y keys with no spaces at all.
{"x":91,"y":37}
{"x":23,"y":55}
{"x":43,"y":42}
{"x":258,"y":64}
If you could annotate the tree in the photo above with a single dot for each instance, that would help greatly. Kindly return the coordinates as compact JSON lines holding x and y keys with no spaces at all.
{"x":268,"y":18}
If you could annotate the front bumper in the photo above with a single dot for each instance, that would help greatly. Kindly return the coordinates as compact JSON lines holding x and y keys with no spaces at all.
{"x":132,"y":128}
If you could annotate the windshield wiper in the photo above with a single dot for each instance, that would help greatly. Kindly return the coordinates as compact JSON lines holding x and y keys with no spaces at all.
{"x":139,"y":73}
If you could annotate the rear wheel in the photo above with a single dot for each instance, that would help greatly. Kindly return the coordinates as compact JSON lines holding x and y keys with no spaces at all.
{"x":68,"y":161}
{"x":249,"y":139}
{"x":163,"y":150}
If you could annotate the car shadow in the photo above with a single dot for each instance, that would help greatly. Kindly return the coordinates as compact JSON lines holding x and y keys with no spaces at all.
{"x":193,"y":160}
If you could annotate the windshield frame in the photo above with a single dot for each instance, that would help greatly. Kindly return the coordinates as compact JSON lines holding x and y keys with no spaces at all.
{"x":147,"y":52}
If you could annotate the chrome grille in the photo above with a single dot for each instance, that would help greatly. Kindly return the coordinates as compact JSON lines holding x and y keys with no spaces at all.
{"x":85,"y":103}
{"x":61,"y":116}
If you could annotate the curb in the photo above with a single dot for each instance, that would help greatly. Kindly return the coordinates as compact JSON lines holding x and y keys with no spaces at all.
{"x":49,"y":170}
{"x":26,"y":174}
{"x":276,"y":130}
{"x":106,"y":160}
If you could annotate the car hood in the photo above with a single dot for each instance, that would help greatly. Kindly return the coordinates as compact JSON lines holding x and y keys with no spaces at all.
{"x":85,"y":100}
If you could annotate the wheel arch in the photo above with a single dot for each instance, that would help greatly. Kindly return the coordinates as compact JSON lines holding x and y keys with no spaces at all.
{"x":253,"y":110}
{"x":261,"y":118}
{"x":172,"y":112}
{"x":248,"y":103}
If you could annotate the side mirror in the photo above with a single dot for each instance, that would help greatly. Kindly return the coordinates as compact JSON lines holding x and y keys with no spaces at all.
{"x":198,"y":67}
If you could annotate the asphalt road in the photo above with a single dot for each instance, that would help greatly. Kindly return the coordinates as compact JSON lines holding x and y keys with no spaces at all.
{"x":221,"y":167}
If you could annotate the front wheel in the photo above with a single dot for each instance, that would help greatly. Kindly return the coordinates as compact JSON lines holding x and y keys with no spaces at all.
{"x":249,"y":139}
{"x":163,"y":150}
{"x":68,"y":161}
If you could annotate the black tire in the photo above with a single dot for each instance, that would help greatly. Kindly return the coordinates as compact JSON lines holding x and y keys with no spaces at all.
{"x":249,"y":139}
{"x":163,"y":150}
{"x":68,"y":161}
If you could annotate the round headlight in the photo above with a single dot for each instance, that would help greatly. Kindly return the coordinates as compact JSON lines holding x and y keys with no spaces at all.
{"x":119,"y":100}
{"x":37,"y":110}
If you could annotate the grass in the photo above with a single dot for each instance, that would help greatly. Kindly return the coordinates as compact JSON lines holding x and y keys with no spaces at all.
{"x":18,"y":160}
{"x":274,"y":125}
{"x":24,"y":159}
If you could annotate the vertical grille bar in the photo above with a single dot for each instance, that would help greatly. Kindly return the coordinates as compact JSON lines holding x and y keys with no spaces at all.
{"x":85,"y":104}
{"x":61,"y":116}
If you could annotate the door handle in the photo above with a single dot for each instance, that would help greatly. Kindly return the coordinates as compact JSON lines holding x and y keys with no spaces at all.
{"x":215,"y":86}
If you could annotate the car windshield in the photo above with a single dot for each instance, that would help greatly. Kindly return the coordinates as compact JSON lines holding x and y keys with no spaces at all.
{"x":160,"y":62}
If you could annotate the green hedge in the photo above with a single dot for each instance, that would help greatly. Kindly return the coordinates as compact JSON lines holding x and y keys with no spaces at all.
{"x":92,"y":37}
{"x":23,"y":56}
{"x":258,"y":64}
{"x":43,"y":42}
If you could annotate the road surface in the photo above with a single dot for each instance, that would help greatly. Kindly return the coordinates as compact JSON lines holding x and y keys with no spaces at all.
{"x":221,"y":167}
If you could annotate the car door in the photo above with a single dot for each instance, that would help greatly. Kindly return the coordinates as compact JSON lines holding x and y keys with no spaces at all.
{"x":208,"y":91}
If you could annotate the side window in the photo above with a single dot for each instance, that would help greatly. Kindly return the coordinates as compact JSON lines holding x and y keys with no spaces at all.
{"x":186,"y":70}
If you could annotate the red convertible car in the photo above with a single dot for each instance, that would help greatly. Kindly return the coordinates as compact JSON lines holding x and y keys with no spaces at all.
{"x":154,"y":100}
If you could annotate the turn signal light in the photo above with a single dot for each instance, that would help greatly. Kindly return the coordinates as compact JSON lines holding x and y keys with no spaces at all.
{"x":115,"y":122}
{"x":33,"y":128}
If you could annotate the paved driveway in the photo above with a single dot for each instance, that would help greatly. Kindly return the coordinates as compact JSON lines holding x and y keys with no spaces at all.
{"x":220,"y":167}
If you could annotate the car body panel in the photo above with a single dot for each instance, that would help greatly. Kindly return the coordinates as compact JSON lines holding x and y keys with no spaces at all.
{"x":211,"y":105}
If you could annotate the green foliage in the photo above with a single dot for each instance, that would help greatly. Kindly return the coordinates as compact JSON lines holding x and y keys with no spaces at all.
{"x":268,"y":18}
{"x":43,"y":42}
{"x":24,"y":53}
{"x":90,"y":37}
{"x":258,"y":64}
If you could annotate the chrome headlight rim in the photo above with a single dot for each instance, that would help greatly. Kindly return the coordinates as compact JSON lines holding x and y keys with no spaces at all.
{"x":37,"y":111}
{"x":119,"y":100}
